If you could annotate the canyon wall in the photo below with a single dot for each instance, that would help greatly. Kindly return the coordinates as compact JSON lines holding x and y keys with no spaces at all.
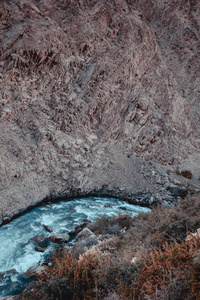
{"x":98,"y":95}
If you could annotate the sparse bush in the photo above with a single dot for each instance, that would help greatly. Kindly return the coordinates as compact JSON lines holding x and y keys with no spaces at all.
{"x":68,"y":278}
{"x":184,"y":173}
{"x":172,"y":262}
{"x":111,"y":225}
{"x":187,"y":174}
{"x":54,"y":288}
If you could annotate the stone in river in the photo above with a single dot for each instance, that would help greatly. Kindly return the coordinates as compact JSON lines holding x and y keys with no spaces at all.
{"x":11,"y":271}
{"x":41,"y":241}
{"x":47,"y":228}
{"x":39,"y":249}
{"x":122,"y":208}
{"x":60,"y":238}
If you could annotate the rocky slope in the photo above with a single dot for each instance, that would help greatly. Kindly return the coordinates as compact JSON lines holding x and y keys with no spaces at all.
{"x":98,"y":95}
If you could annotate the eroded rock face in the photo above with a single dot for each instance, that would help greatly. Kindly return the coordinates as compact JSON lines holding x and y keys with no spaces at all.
{"x":83,"y":83}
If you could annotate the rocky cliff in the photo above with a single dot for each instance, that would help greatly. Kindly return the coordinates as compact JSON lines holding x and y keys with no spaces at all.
{"x":98,"y":96}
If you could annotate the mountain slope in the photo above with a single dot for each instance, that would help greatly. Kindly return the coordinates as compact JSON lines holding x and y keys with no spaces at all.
{"x":97,"y":94}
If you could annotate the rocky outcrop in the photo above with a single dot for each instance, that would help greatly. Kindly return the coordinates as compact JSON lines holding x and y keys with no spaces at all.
{"x":95,"y":94}
{"x":32,"y":272}
{"x":60,"y":238}
{"x":85,"y":233}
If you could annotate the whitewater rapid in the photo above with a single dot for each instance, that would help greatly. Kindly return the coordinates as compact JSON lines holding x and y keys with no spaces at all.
{"x":17,"y":248}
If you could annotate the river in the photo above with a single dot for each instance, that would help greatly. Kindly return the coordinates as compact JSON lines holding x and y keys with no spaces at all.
{"x":17,"y":248}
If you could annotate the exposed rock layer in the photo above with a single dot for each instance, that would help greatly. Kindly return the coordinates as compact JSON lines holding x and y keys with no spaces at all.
{"x":92,"y":91}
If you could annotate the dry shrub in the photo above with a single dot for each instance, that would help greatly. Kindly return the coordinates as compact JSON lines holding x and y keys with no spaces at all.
{"x":82,"y":274}
{"x":172,"y":262}
{"x":164,"y":224}
{"x":111,"y":225}
{"x":53,"y":288}
{"x":187,"y":174}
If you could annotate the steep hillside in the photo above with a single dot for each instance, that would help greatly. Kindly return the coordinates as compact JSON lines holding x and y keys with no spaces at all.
{"x":98,"y":95}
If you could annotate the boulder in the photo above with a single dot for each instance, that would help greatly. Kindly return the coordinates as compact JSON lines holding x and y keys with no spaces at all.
{"x":41,"y":241}
{"x":60,"y":238}
{"x":178,"y":191}
{"x":192,"y":235}
{"x":33,"y":271}
{"x":122,"y":208}
{"x":78,"y":229}
{"x":47,"y":228}
{"x":11,"y":271}
{"x":39,"y":249}
{"x":134,"y":260}
{"x":82,"y":245}
{"x":86,"y":232}
{"x":86,"y":221}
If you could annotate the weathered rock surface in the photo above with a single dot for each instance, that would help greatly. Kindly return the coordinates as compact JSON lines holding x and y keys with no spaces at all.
{"x":86,"y":232}
{"x":39,"y":249}
{"x":91,"y":93}
{"x":60,"y":238}
{"x":33,"y":271}
{"x":41,"y":241}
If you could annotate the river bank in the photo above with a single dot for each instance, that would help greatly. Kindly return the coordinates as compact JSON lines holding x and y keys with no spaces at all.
{"x":145,"y":198}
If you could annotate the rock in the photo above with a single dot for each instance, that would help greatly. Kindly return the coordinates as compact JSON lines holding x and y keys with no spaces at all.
{"x":82,"y":245}
{"x":151,"y":200}
{"x":78,"y":229}
{"x":47,"y":228}
{"x":178,"y":191}
{"x":166,"y":185}
{"x":143,"y":103}
{"x":33,"y":271}
{"x":134,"y":260}
{"x":86,"y":232}
{"x":191,"y":235}
{"x":72,"y":233}
{"x":15,"y":297}
{"x":39,"y":249}
{"x":60,"y":238}
{"x":122,"y":208}
{"x":86,"y":221}
{"x":41,"y":241}
{"x":134,"y":54}
{"x":38,"y":238}
{"x":1,"y":276}
{"x":11,"y":271}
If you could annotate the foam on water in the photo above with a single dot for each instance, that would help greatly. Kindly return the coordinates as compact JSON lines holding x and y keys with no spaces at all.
{"x":16,"y":246}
